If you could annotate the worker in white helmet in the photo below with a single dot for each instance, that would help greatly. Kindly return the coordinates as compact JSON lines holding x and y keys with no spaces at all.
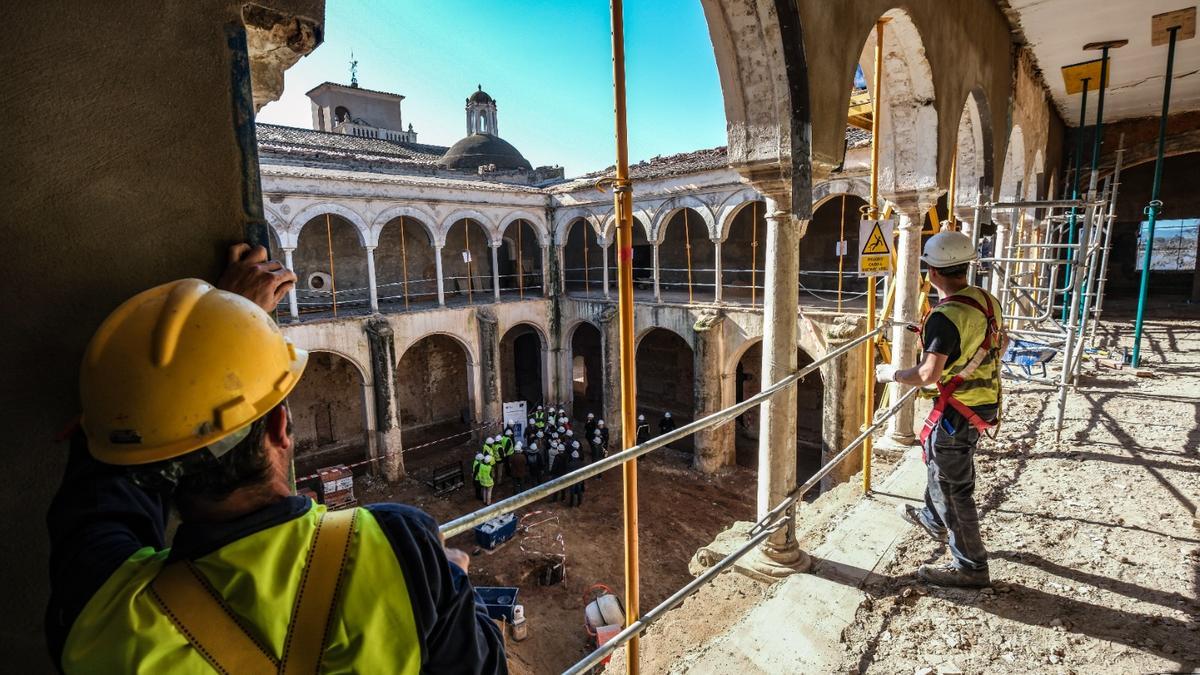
{"x":475,"y":475}
{"x":643,"y":430}
{"x":589,"y":426}
{"x":485,"y":479}
{"x":962,"y":341}
{"x":666,"y":424}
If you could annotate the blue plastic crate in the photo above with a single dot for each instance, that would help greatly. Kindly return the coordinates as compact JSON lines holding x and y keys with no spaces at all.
{"x":499,"y":600}
{"x":496,"y":531}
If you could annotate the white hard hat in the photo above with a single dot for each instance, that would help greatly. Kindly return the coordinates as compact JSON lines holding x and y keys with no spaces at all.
{"x":531,"y":420}
{"x":570,"y":432}
{"x":508,"y":432}
{"x":519,"y":445}
{"x":562,"y":420}
{"x":478,"y":456}
{"x":561,"y":430}
{"x":541,"y":435}
{"x":487,"y":460}
{"x":574,"y":444}
{"x":667,"y":415}
{"x":600,"y":423}
{"x":574,"y":455}
{"x":641,"y":418}
{"x":597,"y":439}
{"x":948,"y":248}
{"x":591,"y":416}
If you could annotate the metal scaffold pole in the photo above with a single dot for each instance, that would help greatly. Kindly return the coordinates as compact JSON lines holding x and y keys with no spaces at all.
{"x":1077,"y":164}
{"x":623,"y":197}
{"x":1155,"y":204}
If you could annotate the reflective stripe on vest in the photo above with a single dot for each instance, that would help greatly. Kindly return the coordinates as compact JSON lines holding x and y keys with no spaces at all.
{"x":981,"y":387}
{"x":123,"y":630}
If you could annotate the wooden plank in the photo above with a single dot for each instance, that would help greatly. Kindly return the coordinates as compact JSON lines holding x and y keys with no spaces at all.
{"x":1161,"y":24}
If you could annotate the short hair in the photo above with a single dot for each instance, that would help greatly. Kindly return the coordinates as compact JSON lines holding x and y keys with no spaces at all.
{"x":959,"y":270}
{"x":204,"y":474}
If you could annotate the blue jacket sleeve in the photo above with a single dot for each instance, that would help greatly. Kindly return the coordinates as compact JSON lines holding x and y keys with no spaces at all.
{"x":456,"y":633}
{"x":96,"y":521}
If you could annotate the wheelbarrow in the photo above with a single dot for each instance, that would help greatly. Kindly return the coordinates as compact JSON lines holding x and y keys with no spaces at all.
{"x":1025,"y":354}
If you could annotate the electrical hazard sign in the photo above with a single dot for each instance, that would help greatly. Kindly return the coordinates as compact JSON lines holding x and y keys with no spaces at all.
{"x":875,"y":254}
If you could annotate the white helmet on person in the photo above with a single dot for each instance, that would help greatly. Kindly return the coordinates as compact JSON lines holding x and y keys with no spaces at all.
{"x":479,"y":457}
{"x":641,"y":418}
{"x":487,"y":459}
{"x":591,"y":416}
{"x":667,"y":415}
{"x":600,"y":423}
{"x":948,"y":248}
{"x":490,"y":440}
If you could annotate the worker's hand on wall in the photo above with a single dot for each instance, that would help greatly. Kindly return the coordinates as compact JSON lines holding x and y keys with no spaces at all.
{"x":251,"y":275}
{"x":885,"y":372}
{"x":458,"y":557}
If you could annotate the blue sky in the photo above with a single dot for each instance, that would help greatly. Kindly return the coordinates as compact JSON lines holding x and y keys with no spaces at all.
{"x":547,"y":63}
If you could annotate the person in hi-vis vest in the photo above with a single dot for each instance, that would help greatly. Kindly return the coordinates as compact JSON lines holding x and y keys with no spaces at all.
{"x":183,"y":390}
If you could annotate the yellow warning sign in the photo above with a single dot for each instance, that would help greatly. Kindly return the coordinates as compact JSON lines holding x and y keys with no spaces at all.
{"x":876,"y":244}
{"x":875,"y":254}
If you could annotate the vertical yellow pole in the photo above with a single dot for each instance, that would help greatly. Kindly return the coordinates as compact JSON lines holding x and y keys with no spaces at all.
{"x":404,"y":259}
{"x":467,"y":246}
{"x":753,"y":253}
{"x":841,"y":253}
{"x":520,"y":261}
{"x":332,"y":274}
{"x":869,"y":345}
{"x":952,"y":198}
{"x":623,"y":196}
{"x":687,"y":245}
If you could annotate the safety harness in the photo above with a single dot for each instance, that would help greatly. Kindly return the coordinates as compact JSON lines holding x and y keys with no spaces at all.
{"x":991,"y":341}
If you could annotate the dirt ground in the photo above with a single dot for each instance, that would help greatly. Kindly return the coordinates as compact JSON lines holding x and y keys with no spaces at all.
{"x":680,"y":512}
{"x":1095,"y":560}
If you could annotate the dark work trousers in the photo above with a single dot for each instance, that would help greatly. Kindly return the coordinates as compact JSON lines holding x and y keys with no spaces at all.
{"x":576,"y":495}
{"x":518,"y":485}
{"x":950,"y":491}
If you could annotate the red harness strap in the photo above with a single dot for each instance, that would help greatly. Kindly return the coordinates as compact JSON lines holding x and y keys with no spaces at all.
{"x":946,"y":391}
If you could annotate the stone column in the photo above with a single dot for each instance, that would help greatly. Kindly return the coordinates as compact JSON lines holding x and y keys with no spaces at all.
{"x":388,"y":440}
{"x":610,"y":358}
{"x":657,"y":287}
{"x":496,"y":271}
{"x":293,"y":305}
{"x":910,"y":208}
{"x":547,"y":288}
{"x":561,"y":277}
{"x":715,"y":445}
{"x":604,"y":257}
{"x":842,"y":406}
{"x":777,"y":423}
{"x":441,"y":282}
{"x":373,"y":292}
{"x":1004,"y":223}
{"x":717,"y":270}
{"x":966,"y":219}
{"x":489,"y":366}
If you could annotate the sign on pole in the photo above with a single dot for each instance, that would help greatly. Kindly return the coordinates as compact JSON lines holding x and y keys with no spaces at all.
{"x":515,"y":416}
{"x":875,"y":252}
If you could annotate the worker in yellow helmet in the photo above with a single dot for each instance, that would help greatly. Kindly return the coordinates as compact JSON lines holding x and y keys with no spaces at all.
{"x":183,"y":390}
{"x":962,"y":342}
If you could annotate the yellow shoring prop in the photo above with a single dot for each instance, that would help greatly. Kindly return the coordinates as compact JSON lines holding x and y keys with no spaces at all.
{"x":753,"y":253}
{"x":404,"y":260}
{"x":623,"y":198}
{"x":687,"y":238}
{"x":951,"y":199}
{"x":868,"y":347}
{"x":332,"y":275}
{"x":841,"y":252}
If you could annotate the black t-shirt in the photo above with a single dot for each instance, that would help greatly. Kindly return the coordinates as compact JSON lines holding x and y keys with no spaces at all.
{"x":940,"y":336}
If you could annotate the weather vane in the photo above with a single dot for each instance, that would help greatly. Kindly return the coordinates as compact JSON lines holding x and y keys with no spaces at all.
{"x":353,"y":70}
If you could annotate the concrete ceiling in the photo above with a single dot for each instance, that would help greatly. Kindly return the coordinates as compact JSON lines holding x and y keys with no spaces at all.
{"x":1057,"y":30}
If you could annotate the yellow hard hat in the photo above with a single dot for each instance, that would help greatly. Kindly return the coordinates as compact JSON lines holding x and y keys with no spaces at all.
{"x":179,"y":367}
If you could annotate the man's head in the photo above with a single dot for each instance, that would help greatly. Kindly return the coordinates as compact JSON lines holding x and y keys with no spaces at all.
{"x":667,"y":415}
{"x":185,"y":384}
{"x":591,"y":416}
{"x":600,"y":423}
{"x":948,"y":255}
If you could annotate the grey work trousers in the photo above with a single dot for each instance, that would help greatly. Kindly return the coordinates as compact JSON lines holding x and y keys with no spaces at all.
{"x":950,"y":490}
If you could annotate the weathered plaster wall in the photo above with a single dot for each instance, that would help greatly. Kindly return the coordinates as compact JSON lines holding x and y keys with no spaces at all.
{"x":327,"y":405}
{"x":122,"y":170}
{"x":392,"y":256}
{"x":349,"y":266}
{"x":432,"y":387}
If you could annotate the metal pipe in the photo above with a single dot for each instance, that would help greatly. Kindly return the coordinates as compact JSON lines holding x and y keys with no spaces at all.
{"x":1040,"y":204}
{"x":1068,"y":365}
{"x":470,"y":520}
{"x":1078,"y":164}
{"x":1155,"y":204}
{"x":869,"y":348}
{"x":1111,"y":221}
{"x":841,"y":252}
{"x":623,"y":206}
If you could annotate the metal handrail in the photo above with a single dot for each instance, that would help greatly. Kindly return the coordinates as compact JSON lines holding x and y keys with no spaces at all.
{"x":773,"y":520}
{"x":470,"y":520}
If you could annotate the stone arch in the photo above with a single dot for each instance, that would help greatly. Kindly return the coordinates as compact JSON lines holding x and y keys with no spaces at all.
{"x":461,"y":214}
{"x":564,"y":218}
{"x":582,"y":256}
{"x":687,"y":254}
{"x":759,"y":52}
{"x":436,"y":389}
{"x":908,"y":119}
{"x":733,"y":204}
{"x":665,"y":365}
{"x":520,"y":257}
{"x":585,"y":367}
{"x":467,"y":276}
{"x":646,"y":330}
{"x":405,"y":259}
{"x":608,"y":232}
{"x":537,"y":222}
{"x":673,"y":206}
{"x":309,"y":213}
{"x":857,"y":186}
{"x":412,"y":211}
{"x":743,"y":252}
{"x":331,"y":263}
{"x":1013,"y":181}
{"x":331,"y":411}
{"x":974,"y":150}
{"x":524,"y":376}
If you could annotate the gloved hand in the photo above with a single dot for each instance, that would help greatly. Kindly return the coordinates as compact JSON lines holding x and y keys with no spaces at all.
{"x":885,"y":372}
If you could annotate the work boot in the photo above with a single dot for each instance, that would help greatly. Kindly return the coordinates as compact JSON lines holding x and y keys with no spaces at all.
{"x":912,"y":514}
{"x":947,"y":574}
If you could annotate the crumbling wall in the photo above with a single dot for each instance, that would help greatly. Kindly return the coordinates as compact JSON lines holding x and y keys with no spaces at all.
{"x":665,"y":380}
{"x":349,"y":267}
{"x":673,"y":256}
{"x":465,"y":278}
{"x":521,"y":360}
{"x":743,"y":254}
{"x":431,"y":388}
{"x":390,"y":263}
{"x":818,"y":247}
{"x":327,"y":406}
